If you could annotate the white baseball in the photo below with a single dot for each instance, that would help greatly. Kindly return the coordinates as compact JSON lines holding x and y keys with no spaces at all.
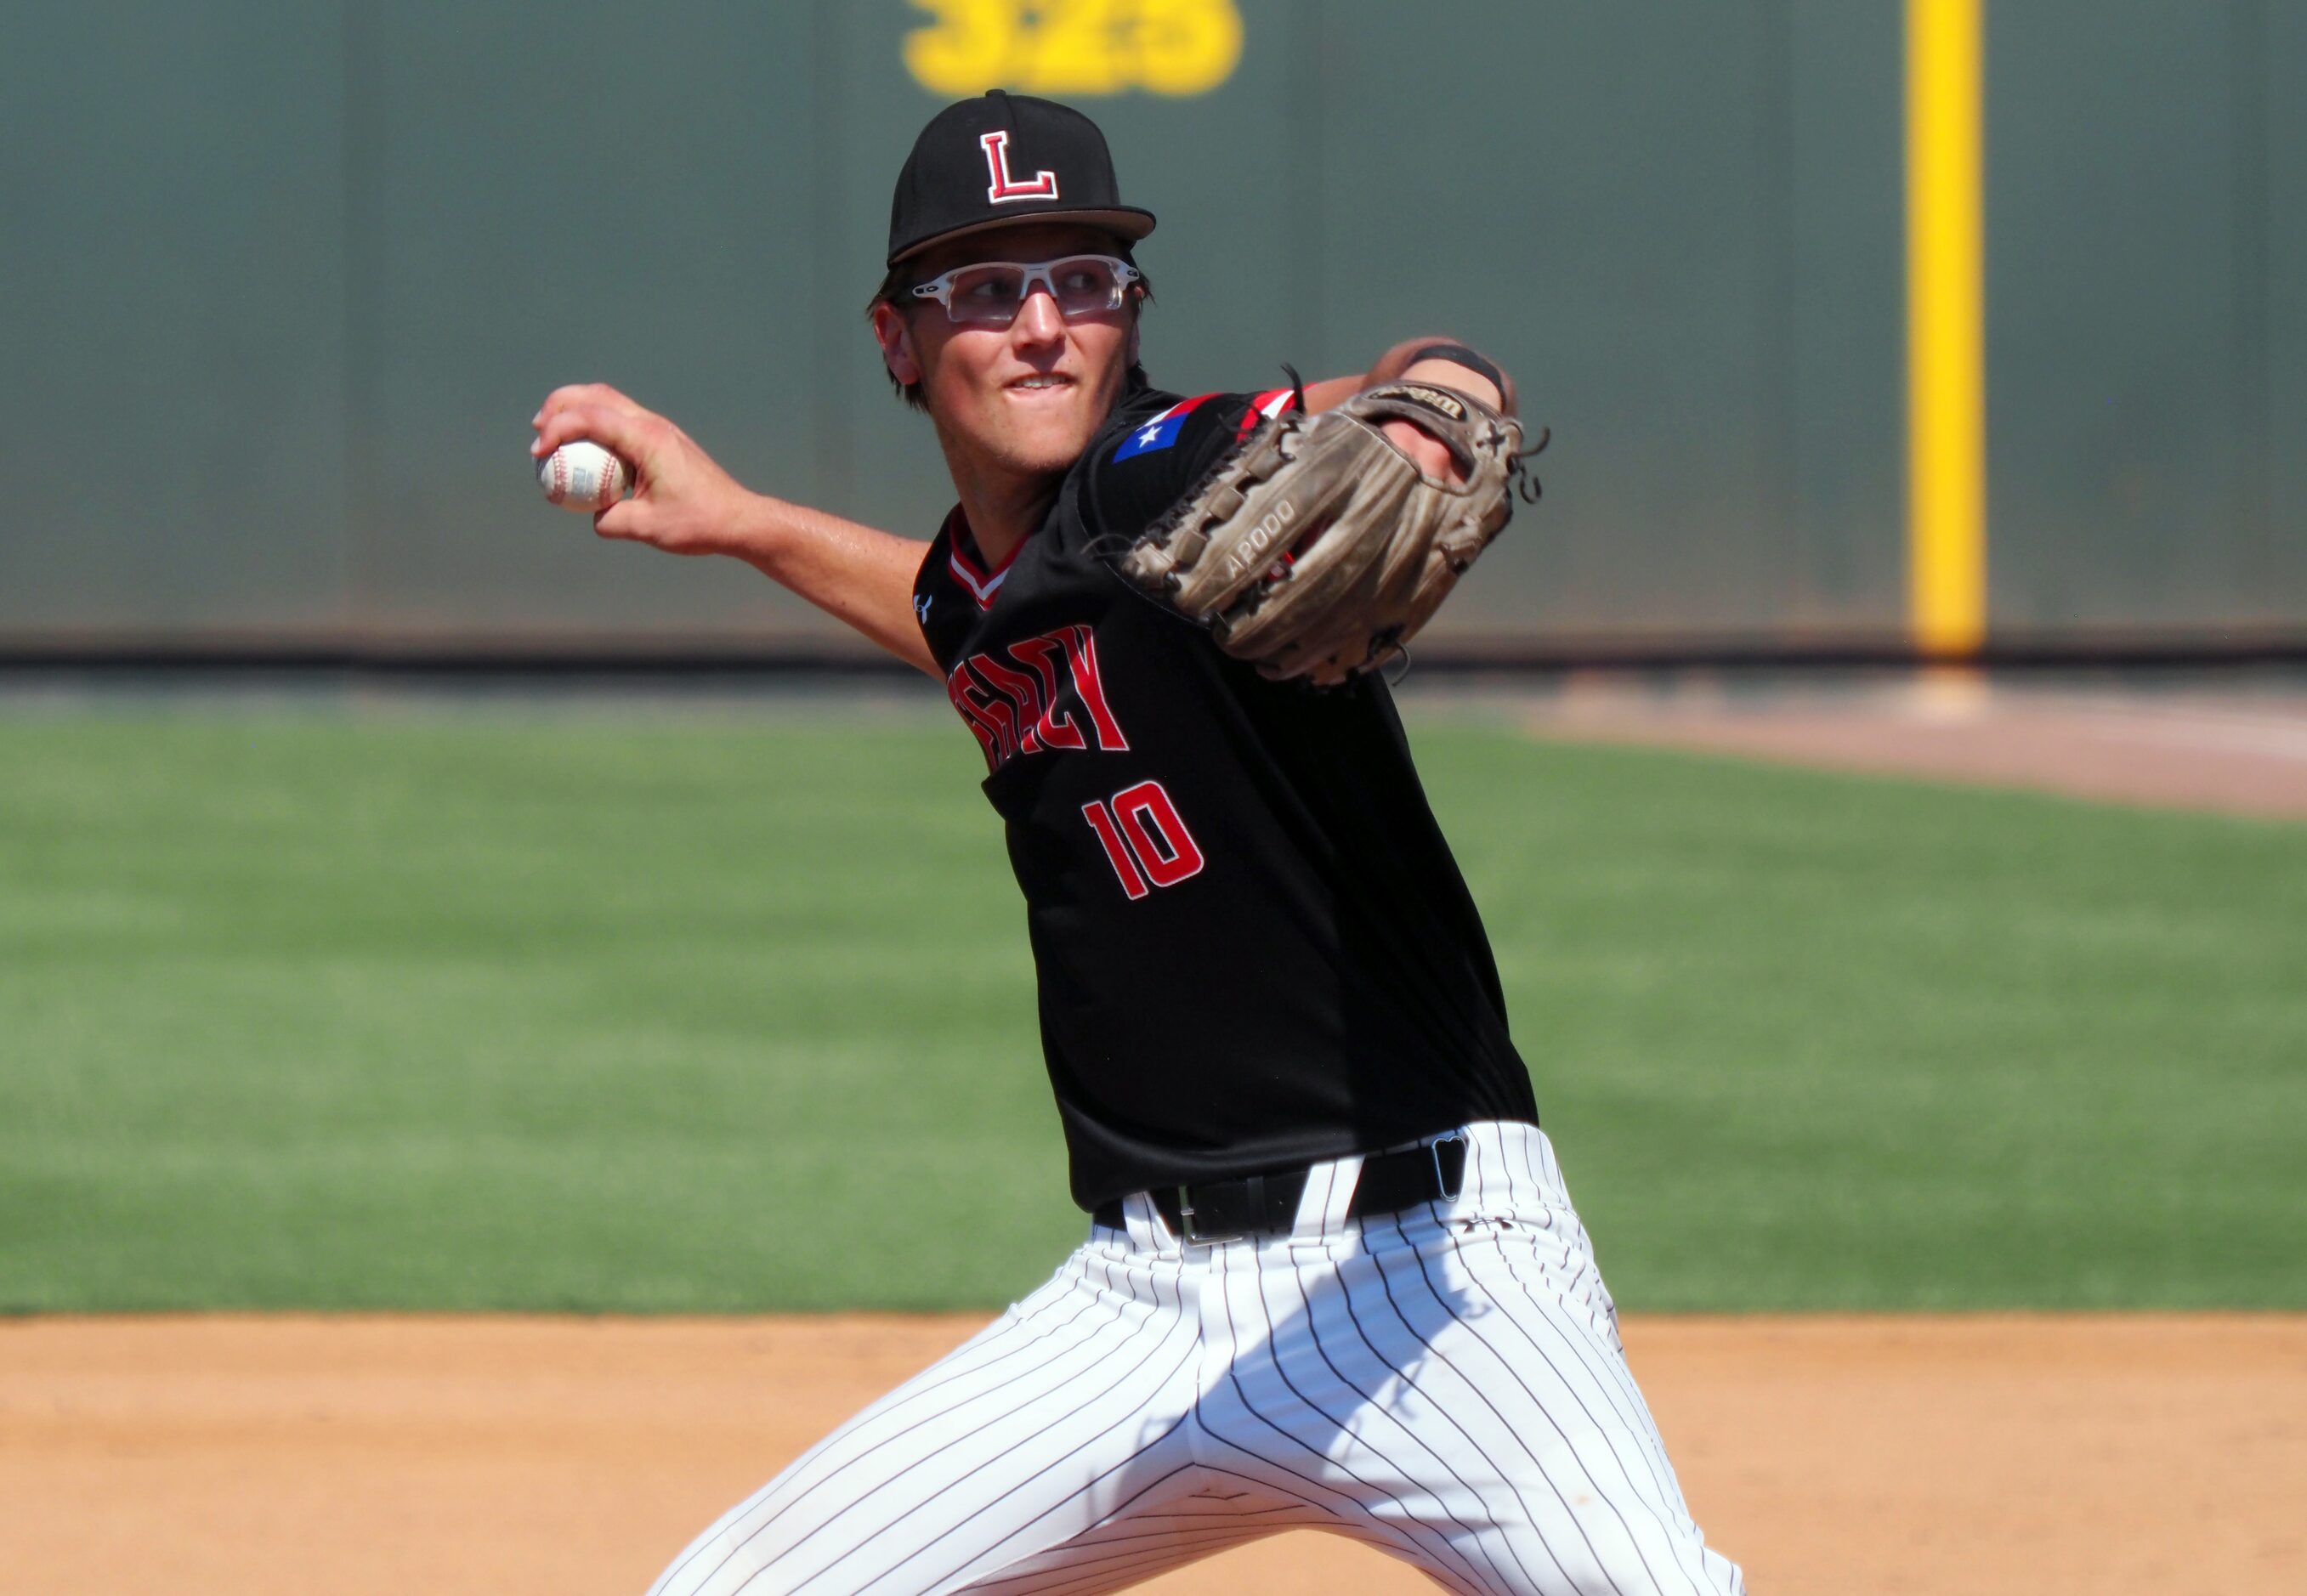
{"x":583,"y":477}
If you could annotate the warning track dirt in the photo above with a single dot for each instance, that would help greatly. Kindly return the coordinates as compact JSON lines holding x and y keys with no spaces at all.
{"x":1973,"y":1455}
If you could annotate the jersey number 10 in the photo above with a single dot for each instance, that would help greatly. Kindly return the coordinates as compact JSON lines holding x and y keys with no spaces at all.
{"x":1143,"y":838}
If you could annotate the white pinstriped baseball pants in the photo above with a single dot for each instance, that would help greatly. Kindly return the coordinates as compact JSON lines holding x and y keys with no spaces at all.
{"x":1446,"y":1385}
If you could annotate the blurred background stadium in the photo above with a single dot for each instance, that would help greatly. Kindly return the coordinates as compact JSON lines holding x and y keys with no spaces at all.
{"x":288,"y":279}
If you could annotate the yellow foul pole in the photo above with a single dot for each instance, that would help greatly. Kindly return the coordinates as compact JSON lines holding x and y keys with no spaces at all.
{"x":1946,"y":337}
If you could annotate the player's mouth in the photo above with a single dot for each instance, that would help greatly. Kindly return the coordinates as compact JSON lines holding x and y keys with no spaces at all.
{"x":1040,"y":382}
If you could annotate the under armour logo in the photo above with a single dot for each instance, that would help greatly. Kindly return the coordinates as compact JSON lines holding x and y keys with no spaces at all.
{"x":1005,"y":188}
{"x":921,"y":607}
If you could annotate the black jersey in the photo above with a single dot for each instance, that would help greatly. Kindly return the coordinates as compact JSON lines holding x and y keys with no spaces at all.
{"x":1253,"y":948}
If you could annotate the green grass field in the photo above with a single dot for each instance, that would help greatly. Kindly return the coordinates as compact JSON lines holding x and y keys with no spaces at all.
{"x":625,"y":1010}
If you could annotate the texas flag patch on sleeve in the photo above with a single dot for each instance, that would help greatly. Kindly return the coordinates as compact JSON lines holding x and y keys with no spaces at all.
{"x":1266,"y":406}
{"x":1163,"y":430}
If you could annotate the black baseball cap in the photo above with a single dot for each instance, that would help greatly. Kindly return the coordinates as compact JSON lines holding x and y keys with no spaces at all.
{"x":1004,"y":158}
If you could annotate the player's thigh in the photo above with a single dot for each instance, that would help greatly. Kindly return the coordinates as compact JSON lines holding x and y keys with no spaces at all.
{"x":1513,"y":1377}
{"x":1022,"y":1436}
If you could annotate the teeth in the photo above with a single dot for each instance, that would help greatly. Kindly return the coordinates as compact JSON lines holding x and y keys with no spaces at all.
{"x":1040,"y":382}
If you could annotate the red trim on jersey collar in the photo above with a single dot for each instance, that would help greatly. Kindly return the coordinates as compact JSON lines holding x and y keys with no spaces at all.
{"x":984,"y":586}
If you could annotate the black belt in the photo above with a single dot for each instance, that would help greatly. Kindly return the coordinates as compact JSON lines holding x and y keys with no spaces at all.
{"x":1226,"y":1210}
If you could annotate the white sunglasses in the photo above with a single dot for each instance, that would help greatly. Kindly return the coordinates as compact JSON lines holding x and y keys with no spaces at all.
{"x":990,"y":292}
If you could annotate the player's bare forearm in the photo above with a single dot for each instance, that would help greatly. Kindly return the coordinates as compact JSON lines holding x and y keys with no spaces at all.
{"x":853,"y":573}
{"x":685,"y":503}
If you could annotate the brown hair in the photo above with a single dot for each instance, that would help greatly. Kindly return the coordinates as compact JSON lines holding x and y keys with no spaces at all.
{"x":897,"y":292}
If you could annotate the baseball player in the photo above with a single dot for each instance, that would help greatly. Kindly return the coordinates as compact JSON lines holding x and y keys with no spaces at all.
{"x":1333,"y":1278}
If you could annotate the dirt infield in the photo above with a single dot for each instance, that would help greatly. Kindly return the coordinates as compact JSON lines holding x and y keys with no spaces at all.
{"x":2233,"y":753}
{"x":205,"y":1456}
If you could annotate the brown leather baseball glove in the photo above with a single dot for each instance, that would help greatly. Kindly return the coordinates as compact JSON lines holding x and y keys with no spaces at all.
{"x":1317,"y":549}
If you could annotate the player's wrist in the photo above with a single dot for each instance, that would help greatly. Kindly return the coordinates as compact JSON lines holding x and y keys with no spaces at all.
{"x":1448,"y":373}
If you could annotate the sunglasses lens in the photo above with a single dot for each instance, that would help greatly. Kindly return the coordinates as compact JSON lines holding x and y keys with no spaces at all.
{"x":1085,"y":287}
{"x":988,"y":293}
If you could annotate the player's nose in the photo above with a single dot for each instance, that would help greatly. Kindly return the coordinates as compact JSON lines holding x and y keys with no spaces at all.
{"x":1038,"y":320}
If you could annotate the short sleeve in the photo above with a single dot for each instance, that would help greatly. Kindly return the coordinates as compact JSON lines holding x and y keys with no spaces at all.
{"x":1138,"y":473}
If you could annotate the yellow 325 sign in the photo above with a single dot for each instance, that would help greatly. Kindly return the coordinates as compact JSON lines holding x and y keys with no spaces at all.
{"x":1074,"y":47}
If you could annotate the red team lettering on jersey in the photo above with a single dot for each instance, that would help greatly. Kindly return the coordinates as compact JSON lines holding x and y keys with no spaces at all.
{"x":1044,"y":693}
{"x":1163,"y":849}
{"x":1023,"y":699}
{"x":1144,"y":838}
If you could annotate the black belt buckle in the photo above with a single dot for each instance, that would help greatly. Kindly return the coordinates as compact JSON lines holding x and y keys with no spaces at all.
{"x":1189,"y":1232}
{"x":1250,"y":1219}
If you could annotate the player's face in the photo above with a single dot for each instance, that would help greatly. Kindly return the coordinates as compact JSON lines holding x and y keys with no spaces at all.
{"x":1027,"y":397}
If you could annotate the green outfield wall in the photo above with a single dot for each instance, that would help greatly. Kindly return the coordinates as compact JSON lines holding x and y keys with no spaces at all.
{"x":285,"y":281}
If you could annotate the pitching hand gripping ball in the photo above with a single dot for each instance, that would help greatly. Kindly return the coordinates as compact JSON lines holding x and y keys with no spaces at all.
{"x":584,"y":477}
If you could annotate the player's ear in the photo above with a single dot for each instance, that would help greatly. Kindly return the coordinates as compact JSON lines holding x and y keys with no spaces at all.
{"x":897,"y":341}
